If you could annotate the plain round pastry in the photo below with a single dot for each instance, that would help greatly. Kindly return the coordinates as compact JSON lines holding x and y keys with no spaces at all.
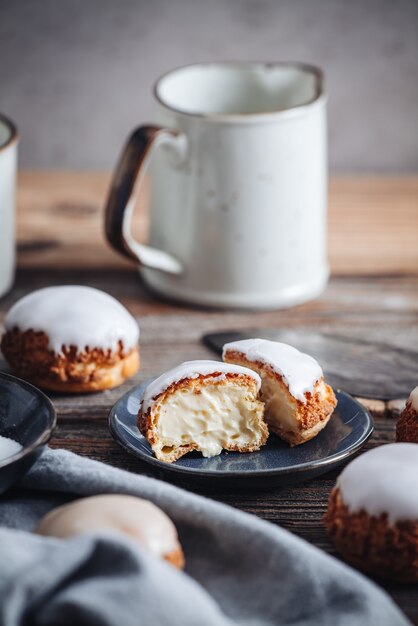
{"x":372,"y":514}
{"x":407,"y":423}
{"x":138,"y":519}
{"x":71,"y":339}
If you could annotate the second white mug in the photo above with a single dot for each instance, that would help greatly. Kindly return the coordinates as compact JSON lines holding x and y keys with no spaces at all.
{"x":238,"y":186}
{"x":8,"y":164}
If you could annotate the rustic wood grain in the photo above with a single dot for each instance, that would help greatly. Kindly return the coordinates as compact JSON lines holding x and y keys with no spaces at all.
{"x":373,"y":296}
{"x":372,"y":222}
{"x":369,"y":307}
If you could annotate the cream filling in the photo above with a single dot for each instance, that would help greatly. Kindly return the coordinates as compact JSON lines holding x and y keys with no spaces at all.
{"x":216,"y":417}
{"x":280,"y":409}
{"x":194,"y":369}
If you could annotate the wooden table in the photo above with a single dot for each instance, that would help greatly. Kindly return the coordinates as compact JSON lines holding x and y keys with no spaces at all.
{"x":373,"y":294}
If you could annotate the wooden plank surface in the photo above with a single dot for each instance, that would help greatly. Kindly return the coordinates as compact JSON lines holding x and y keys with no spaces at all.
{"x":373,"y":222}
{"x":377,"y":307}
{"x":373,"y":295}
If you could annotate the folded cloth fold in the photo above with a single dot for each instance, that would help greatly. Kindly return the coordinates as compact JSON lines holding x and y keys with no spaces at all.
{"x":240,"y":570}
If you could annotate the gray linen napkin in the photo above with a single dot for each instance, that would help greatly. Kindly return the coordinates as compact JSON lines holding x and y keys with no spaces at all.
{"x":240,"y":570}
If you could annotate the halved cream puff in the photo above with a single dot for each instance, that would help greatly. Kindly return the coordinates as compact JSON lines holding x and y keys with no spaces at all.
{"x":203,"y":405}
{"x":298,"y":402}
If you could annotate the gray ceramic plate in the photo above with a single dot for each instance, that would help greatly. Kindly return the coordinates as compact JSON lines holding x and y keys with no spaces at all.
{"x":276,"y":463}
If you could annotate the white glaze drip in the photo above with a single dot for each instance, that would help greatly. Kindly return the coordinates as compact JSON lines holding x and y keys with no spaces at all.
{"x":299,"y":371}
{"x":75,"y":316}
{"x":192,"y":369}
{"x":383,"y":480}
{"x":413,"y":398}
{"x":8,"y":447}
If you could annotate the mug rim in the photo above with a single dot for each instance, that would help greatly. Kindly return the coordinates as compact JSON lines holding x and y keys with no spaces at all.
{"x":14,"y":133}
{"x":243,"y":117}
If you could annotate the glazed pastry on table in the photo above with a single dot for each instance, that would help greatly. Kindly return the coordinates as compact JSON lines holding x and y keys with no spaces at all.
{"x":71,"y":339}
{"x":138,"y":519}
{"x":407,"y":424}
{"x":298,"y":402}
{"x":203,"y":405}
{"x":372,"y":514}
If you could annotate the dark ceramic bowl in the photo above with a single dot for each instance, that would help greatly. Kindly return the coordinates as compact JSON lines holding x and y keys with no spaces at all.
{"x":27,"y":416}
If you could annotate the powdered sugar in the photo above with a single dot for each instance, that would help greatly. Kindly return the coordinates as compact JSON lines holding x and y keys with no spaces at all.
{"x":8,"y":447}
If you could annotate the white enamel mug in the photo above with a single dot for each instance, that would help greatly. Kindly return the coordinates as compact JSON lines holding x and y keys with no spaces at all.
{"x":8,"y":162}
{"x":238,"y":186}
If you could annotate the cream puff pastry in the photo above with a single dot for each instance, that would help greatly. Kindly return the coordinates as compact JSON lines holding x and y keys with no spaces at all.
{"x":138,"y":519}
{"x":298,"y":402}
{"x":407,"y":424}
{"x":372,"y":514}
{"x":71,"y":339}
{"x":203,"y":405}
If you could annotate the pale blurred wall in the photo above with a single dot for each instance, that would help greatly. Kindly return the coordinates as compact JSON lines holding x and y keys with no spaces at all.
{"x":76,"y":75}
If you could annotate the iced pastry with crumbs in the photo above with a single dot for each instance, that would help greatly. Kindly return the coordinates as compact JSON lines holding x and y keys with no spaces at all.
{"x":203,"y":405}
{"x":71,"y":338}
{"x":407,"y":423}
{"x":372,"y":514}
{"x":298,"y":402}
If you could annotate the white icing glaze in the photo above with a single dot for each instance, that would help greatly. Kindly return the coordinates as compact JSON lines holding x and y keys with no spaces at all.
{"x":141,"y":520}
{"x":299,"y":371}
{"x":413,"y":398}
{"x":192,"y":369}
{"x":8,"y":447}
{"x":383,"y":480}
{"x":75,"y":316}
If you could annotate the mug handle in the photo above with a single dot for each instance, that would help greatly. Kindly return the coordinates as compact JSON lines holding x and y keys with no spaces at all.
{"x":125,"y":186}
